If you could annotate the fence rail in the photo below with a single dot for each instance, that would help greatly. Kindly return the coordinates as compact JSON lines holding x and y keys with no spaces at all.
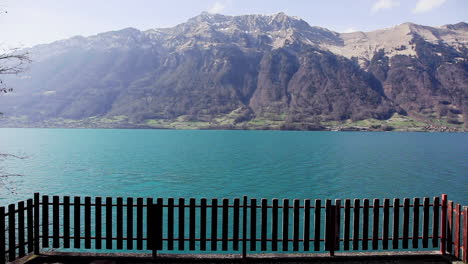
{"x":232,"y":225}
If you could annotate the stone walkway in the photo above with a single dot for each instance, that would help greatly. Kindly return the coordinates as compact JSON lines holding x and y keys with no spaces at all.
{"x":355,"y":258}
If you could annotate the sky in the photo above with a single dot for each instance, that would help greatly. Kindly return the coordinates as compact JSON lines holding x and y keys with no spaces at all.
{"x":24,"y":23}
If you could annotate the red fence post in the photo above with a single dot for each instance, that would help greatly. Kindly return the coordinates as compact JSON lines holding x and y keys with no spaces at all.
{"x":465,"y":234}
{"x":457,"y":214}
{"x":449,"y":244}
{"x":443,"y":224}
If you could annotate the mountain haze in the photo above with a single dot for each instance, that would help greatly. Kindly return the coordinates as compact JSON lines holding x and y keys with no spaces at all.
{"x":252,"y":71}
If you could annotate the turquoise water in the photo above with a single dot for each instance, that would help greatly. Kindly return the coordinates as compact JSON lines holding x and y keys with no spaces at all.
{"x":262,"y":164}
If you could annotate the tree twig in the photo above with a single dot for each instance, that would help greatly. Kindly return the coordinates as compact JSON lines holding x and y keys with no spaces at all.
{"x":5,"y":155}
{"x":10,"y":175}
{"x":12,"y":61}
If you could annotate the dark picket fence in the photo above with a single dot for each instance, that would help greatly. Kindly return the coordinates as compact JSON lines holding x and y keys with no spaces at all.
{"x":232,"y":225}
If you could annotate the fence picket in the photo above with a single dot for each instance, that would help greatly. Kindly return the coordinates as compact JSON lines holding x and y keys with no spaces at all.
{"x":435,"y":222}
{"x":450,"y":227}
{"x":55,"y":222}
{"x":98,"y":222}
{"x":36,"y":224}
{"x":332,"y":246}
{"x":151,"y":211}
{"x":225,"y":226}
{"x":66,"y":222}
{"x":365,"y":225}
{"x":87,"y":221}
{"x":357,"y":209}
{"x":193,"y":224}
{"x":264,"y":224}
{"x":457,"y":231}
{"x":181,"y":227}
{"x":386,"y":222}
{"x":11,"y":233}
{"x":159,"y":223}
{"x":465,"y":234}
{"x":415,"y":222}
{"x":119,"y":221}
{"x":306,"y":235}
{"x":155,"y":226}
{"x":129,"y":223}
{"x":30,"y":224}
{"x":139,"y":239}
{"x":375,"y":224}
{"x":337,"y":230}
{"x":236,"y":220}
{"x":296,"y":204}
{"x":317,"y":216}
{"x":109,"y":223}
{"x":244,"y":227}
{"x":203,"y":224}
{"x":170,"y":223}
{"x":425,"y":237}
{"x":149,"y":225}
{"x":328,"y":221}
{"x":347,"y":219}
{"x":406,"y":207}
{"x":45,"y":221}
{"x":253,"y":224}
{"x":443,"y":225}
{"x":285,"y":227}
{"x":21,"y":241}
{"x":76,"y":222}
{"x":274,"y":225}
{"x":2,"y":236}
{"x":214,"y":224}
{"x":396,"y":223}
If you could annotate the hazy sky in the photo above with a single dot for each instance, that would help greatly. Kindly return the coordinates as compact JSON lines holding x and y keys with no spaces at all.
{"x":30,"y":22}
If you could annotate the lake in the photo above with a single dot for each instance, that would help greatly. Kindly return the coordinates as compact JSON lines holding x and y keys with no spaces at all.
{"x":262,"y":164}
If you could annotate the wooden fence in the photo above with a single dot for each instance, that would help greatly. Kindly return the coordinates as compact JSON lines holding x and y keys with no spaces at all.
{"x":232,"y":225}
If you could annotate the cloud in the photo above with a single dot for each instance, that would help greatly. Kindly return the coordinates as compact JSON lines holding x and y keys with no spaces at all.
{"x":384,"y":4}
{"x":427,"y":5}
{"x":350,"y":30}
{"x":217,"y":7}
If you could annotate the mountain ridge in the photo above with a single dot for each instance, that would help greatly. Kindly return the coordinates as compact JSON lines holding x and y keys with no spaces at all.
{"x":232,"y":71}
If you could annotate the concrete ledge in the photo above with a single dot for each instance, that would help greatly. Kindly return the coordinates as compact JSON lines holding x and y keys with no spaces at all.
{"x":340,"y":257}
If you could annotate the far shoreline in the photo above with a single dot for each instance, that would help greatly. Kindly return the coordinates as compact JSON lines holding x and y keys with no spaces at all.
{"x":396,"y":123}
{"x":347,"y":129}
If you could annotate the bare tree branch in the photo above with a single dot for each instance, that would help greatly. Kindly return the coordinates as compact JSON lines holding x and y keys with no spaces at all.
{"x":7,"y":179}
{"x":4,"y":155}
{"x":12,"y":61}
{"x":10,"y":175}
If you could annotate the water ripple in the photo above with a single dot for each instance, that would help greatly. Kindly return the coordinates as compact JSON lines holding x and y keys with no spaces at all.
{"x":270,"y":164}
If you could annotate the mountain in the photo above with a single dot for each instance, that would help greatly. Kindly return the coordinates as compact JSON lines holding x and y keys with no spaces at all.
{"x":247,"y":72}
